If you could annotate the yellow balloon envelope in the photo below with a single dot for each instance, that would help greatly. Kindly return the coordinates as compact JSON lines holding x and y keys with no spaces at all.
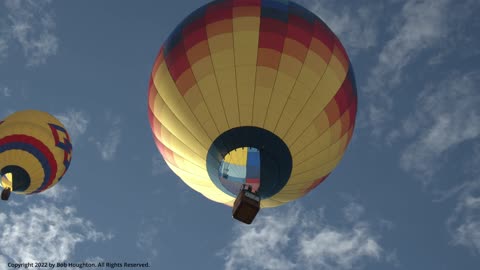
{"x":35,"y":151}
{"x":266,"y":76}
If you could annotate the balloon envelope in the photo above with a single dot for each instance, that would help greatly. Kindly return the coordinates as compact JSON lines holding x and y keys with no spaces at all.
{"x":266,"y":75}
{"x":35,"y":151}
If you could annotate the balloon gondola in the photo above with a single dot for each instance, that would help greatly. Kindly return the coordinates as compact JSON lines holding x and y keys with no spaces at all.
{"x":263,"y":88}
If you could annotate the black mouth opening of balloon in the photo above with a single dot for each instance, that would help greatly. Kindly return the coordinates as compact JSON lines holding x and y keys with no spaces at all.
{"x":20,"y":177}
{"x":275,"y":159}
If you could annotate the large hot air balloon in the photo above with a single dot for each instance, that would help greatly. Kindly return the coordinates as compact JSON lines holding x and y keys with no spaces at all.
{"x":252,"y":100}
{"x":35,"y":152}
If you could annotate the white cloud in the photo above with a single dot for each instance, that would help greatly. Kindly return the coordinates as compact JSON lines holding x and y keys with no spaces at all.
{"x":331,"y":248}
{"x":473,"y":165}
{"x":392,"y":258}
{"x":58,"y":193}
{"x":5,"y":91}
{"x":44,"y":233}
{"x":421,"y":25}
{"x":261,"y":245}
{"x":462,"y":43}
{"x":292,"y":238}
{"x":356,"y":27}
{"x":4,"y":40}
{"x":75,"y":122}
{"x":147,"y":236}
{"x":464,"y":223}
{"x":353,"y":211}
{"x":446,"y":117}
{"x":3,"y":262}
{"x":30,"y":23}
{"x":447,"y":114}
{"x":3,"y":54}
{"x":108,"y":146}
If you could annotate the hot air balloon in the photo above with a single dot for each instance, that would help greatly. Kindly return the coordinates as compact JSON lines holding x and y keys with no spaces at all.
{"x":252,"y":103}
{"x":35,"y":152}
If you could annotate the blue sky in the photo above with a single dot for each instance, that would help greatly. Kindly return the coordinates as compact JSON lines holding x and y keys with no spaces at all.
{"x":405,"y":196}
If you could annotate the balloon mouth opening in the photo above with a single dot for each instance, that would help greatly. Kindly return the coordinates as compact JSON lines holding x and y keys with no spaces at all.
{"x":249,"y":155}
{"x":240,"y":167}
{"x":15,"y":178}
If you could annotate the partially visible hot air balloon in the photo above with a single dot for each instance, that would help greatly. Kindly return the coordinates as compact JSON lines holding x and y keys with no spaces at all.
{"x":252,"y":94}
{"x":35,"y":152}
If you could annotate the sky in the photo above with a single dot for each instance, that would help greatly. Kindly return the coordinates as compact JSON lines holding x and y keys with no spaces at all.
{"x":406,"y":194}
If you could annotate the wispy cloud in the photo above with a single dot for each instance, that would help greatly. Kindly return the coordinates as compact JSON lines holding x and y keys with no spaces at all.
{"x":152,"y":230}
{"x":59,"y":193}
{"x":421,"y":24}
{"x":44,"y":233}
{"x":473,"y":164}
{"x":357,"y":27}
{"x":269,"y":236}
{"x":3,"y":51}
{"x":4,"y":40}
{"x":109,"y":144}
{"x":447,"y":114}
{"x":339,"y":249}
{"x":353,"y":211}
{"x":75,"y":122}
{"x":296,"y":239}
{"x":5,"y":91}
{"x":147,"y":236}
{"x":462,"y":42}
{"x":464,"y":223}
{"x":30,"y":23}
